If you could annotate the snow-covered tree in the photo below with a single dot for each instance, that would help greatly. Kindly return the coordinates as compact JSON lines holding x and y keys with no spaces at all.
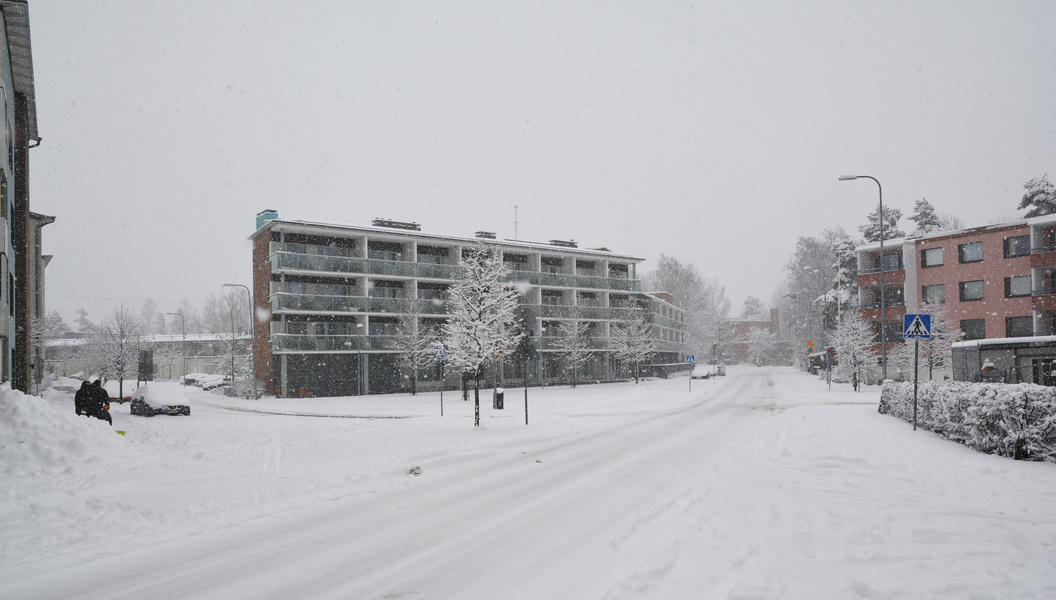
{"x":574,"y":342}
{"x":854,"y":340}
{"x":950,"y":222}
{"x":1040,"y":197}
{"x":192,"y":321}
{"x":83,"y":324}
{"x":113,"y":347}
{"x":871,"y":230}
{"x":43,"y":329}
{"x":226,"y":313}
{"x":936,"y":353}
{"x":148,"y":317}
{"x":483,"y":317}
{"x":844,"y":293}
{"x":633,"y":342}
{"x":703,"y":300}
{"x":761,"y":346}
{"x":809,"y":275}
{"x":925,"y":218}
{"x":415,"y":346}
{"x":753,"y":307}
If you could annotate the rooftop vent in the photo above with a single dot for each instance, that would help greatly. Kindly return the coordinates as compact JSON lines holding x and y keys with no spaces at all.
{"x":396,"y":224}
{"x":485,"y":235}
{"x":268,"y":214}
{"x":564,"y":243}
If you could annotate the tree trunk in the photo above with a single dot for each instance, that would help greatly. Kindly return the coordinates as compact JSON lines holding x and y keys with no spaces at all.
{"x":476,"y":400}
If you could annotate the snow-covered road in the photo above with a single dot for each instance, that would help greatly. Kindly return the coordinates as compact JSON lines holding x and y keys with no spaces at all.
{"x":763,"y":484}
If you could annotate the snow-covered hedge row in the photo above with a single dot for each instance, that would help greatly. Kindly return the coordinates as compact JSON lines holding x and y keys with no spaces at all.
{"x":1016,"y":420}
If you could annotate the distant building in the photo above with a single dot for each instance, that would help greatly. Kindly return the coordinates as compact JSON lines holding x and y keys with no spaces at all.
{"x":335,"y":294}
{"x":745,"y":344}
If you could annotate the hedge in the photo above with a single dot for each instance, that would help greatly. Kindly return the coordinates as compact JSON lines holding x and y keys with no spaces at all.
{"x":1015,"y":420}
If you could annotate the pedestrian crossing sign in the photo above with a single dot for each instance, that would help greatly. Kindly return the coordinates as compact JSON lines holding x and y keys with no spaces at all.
{"x":916,"y":326}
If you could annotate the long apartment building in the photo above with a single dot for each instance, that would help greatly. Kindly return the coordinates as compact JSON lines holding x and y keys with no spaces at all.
{"x":336,"y":295}
{"x":997,"y":281}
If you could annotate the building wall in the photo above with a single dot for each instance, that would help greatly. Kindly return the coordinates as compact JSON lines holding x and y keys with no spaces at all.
{"x":992,"y":270}
{"x":336,"y":295}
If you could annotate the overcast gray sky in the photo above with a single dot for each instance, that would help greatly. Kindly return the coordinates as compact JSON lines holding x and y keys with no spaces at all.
{"x":710,"y":131}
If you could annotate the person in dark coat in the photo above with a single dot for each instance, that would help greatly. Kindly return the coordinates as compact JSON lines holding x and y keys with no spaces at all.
{"x":99,"y":404}
{"x":81,"y":398}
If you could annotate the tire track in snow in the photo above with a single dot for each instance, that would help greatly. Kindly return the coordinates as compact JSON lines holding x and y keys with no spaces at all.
{"x":431,"y":540}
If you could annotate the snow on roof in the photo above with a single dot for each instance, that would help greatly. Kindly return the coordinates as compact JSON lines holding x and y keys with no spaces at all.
{"x":313,"y":227}
{"x":1034,"y":340}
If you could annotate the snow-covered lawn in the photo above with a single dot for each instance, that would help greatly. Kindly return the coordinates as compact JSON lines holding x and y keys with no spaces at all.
{"x":761,"y":484}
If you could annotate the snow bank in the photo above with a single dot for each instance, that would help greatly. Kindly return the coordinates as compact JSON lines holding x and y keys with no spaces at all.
{"x":1015,"y":420}
{"x":36,"y":438}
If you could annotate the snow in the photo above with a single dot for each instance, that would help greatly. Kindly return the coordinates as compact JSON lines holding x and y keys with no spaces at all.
{"x":760,"y":484}
{"x":161,"y":393}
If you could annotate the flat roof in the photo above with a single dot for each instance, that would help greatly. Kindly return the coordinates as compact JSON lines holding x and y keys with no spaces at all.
{"x":313,"y":227}
{"x":1034,"y":341}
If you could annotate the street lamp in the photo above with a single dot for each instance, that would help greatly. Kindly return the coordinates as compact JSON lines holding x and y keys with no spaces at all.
{"x":883,"y":299}
{"x":183,"y":347}
{"x":252,"y":336}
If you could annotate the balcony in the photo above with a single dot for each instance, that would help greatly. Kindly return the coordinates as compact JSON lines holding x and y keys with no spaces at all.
{"x":288,"y":261}
{"x":590,"y":343}
{"x":331,"y":343}
{"x":561,"y":311}
{"x":287,"y":302}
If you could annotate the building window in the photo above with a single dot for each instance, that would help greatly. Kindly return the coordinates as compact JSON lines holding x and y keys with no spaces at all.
{"x":384,"y":250}
{"x":973,"y":329}
{"x":971,"y":290}
{"x":932,"y":257}
{"x":1019,"y":326}
{"x":934,"y":294}
{"x":553,"y":297}
{"x":550,"y":264}
{"x":893,"y":296}
{"x":1017,"y":286}
{"x":618,"y":271}
{"x":892,"y":262}
{"x":432,"y":255}
{"x":386,"y":289}
{"x":970,"y":253}
{"x":1017,"y":246}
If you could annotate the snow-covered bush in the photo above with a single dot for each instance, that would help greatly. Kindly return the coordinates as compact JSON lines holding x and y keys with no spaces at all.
{"x":1015,"y":420}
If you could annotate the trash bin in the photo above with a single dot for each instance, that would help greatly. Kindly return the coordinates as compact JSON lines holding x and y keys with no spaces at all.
{"x":497,"y":398}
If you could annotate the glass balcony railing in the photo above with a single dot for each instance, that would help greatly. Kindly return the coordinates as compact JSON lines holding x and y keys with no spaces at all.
{"x":332,"y":343}
{"x":282,"y":260}
{"x":282,"y":301}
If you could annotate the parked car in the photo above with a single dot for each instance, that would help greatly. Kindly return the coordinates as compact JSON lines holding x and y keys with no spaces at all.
{"x":212,"y":381}
{"x":159,"y":399}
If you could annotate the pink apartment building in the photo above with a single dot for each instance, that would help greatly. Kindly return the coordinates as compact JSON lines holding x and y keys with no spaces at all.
{"x":996,"y":283}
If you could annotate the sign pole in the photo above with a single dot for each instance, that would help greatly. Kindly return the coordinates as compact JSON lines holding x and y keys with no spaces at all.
{"x":916,"y":327}
{"x":916,"y":375}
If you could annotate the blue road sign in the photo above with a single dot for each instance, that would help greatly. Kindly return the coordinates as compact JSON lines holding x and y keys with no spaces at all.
{"x":916,"y":326}
{"x":691,"y":358}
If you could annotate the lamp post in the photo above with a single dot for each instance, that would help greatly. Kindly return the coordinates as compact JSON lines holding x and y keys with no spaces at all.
{"x":252,"y":337}
{"x":883,"y":299}
{"x":183,"y":347}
